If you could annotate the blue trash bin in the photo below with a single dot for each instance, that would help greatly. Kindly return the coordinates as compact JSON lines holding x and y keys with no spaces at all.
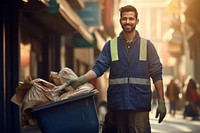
{"x":75,"y":115}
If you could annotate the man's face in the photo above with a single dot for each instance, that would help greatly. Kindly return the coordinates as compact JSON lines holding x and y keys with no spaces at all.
{"x":128,"y":21}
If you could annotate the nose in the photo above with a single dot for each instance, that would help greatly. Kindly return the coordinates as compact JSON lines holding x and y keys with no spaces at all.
{"x":127,"y":20}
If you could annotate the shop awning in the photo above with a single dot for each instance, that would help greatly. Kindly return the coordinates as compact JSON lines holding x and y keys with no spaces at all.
{"x":81,"y":42}
{"x":98,"y":42}
{"x":73,"y":19}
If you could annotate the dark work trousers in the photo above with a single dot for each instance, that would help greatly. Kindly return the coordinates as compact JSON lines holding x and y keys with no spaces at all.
{"x":126,"y":121}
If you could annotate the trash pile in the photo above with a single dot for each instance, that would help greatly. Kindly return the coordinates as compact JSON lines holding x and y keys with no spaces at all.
{"x":36,"y":92}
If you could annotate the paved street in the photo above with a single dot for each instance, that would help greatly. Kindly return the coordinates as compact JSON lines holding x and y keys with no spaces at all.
{"x":174,"y":124}
{"x":170,"y":125}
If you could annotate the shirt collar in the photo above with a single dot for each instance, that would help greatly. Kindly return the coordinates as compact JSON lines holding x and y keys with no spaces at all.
{"x":137,"y":35}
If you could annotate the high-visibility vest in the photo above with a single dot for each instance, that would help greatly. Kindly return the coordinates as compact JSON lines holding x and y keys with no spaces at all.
{"x":142,"y":57}
{"x":114,"y":49}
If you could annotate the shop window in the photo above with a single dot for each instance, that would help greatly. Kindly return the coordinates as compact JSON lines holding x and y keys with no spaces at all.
{"x":30,"y":56}
{"x":24,"y":60}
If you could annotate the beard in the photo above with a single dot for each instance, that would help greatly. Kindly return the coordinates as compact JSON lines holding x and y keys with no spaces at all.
{"x":128,"y":28}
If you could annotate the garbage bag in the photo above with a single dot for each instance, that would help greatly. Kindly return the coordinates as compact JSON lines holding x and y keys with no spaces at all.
{"x":64,"y":75}
{"x":29,"y":94}
{"x":22,"y":90}
{"x":56,"y":78}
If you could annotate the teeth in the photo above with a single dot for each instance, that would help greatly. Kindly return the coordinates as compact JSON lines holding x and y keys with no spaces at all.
{"x":128,"y":26}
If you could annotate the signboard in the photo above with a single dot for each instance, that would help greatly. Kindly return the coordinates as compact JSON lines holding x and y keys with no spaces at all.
{"x":91,"y":13}
{"x":53,"y":6}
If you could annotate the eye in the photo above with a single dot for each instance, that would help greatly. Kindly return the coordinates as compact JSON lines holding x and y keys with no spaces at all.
{"x":131,"y":19}
{"x":124,"y":19}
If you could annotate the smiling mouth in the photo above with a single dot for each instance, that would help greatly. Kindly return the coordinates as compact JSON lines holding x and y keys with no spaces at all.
{"x":127,"y":26}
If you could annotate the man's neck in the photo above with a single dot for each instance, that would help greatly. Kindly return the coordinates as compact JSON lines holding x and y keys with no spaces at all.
{"x":129,"y":37}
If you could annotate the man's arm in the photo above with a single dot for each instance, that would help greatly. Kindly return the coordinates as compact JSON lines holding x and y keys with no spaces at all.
{"x":159,"y":88}
{"x":90,"y":75}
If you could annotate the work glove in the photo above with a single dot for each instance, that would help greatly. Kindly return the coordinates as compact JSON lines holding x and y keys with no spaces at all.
{"x":75,"y":83}
{"x":161,"y":110}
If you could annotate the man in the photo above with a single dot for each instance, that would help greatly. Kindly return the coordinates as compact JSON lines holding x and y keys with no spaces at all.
{"x":132,"y":62}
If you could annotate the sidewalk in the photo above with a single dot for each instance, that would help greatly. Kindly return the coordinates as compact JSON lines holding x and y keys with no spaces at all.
{"x":174,"y":124}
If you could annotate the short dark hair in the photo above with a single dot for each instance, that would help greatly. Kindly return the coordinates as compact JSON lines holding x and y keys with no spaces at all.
{"x":128,"y":8}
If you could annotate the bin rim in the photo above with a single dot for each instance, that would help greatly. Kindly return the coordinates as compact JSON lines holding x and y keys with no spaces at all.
{"x":57,"y":103}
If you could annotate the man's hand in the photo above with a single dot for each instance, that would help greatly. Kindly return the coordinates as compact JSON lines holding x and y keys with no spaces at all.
{"x":74,"y":83}
{"x":161,"y":110}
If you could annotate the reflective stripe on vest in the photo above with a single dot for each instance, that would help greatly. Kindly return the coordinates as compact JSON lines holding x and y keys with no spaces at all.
{"x":139,"y":81}
{"x":142,"y":57}
{"x":114,"y":49}
{"x":143,"y":49}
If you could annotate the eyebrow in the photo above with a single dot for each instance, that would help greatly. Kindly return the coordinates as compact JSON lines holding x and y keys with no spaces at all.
{"x":128,"y":18}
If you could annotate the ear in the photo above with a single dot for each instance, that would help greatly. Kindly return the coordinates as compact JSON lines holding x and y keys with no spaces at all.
{"x":137,"y":21}
{"x":120,"y":20}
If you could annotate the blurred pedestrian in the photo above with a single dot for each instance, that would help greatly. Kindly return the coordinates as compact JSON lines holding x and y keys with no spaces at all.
{"x":132,"y":60}
{"x":172,"y":94}
{"x":192,"y":94}
{"x":193,"y":99}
